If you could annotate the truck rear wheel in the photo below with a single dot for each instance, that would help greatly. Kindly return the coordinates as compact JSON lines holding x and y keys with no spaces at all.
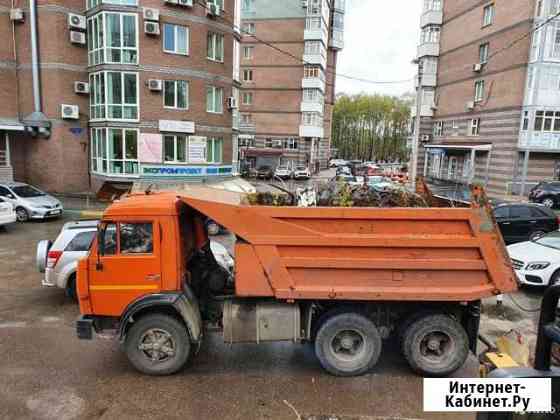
{"x":435,"y":345}
{"x":158,"y":345}
{"x":348,"y":344}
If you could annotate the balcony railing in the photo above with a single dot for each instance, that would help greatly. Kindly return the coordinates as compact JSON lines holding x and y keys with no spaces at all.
{"x":315,"y":58}
{"x":247,"y":127}
{"x":428,"y":49}
{"x":337,"y":39}
{"x":340,"y":5}
{"x":539,"y":141}
{"x":313,"y":83}
{"x":312,"y":106}
{"x":310,"y":131}
{"x":3,"y":158}
{"x":428,"y":80}
{"x":431,"y":17}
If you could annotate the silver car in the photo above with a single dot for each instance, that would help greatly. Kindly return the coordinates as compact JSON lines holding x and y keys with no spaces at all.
{"x":30,"y":202}
{"x":59,"y":259}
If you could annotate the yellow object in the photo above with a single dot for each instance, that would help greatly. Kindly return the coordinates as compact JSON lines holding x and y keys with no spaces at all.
{"x":501,"y":360}
{"x":512,"y":344}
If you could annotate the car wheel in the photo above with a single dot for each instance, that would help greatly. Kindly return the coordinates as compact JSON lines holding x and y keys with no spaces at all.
{"x":22,"y":214}
{"x":348,"y":344}
{"x":554,"y":279}
{"x":548,"y":202}
{"x":435,"y":345}
{"x":213,"y":228}
{"x":158,"y":345}
{"x":536,"y":235}
{"x":71,"y":288}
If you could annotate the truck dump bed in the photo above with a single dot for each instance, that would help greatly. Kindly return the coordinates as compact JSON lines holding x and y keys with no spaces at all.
{"x":408,"y":254}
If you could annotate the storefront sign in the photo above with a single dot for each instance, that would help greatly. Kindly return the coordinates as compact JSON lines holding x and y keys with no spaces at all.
{"x":175,"y":126}
{"x":197,"y":149}
{"x":160,"y":171}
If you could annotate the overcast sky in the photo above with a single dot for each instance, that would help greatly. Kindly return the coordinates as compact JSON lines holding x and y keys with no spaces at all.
{"x":380,"y":40}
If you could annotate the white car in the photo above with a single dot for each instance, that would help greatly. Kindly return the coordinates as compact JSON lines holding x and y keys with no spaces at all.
{"x":7,"y":213}
{"x":335,"y":163}
{"x":30,"y":202}
{"x":302,"y":172}
{"x":283,"y":172}
{"x":537,"y":262}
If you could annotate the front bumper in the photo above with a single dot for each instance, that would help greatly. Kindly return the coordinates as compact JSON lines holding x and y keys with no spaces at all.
{"x":84,"y":328}
{"x":39,"y":213}
{"x":533,"y":277}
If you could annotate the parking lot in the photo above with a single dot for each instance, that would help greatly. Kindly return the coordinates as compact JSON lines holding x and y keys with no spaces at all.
{"x":47,"y":373}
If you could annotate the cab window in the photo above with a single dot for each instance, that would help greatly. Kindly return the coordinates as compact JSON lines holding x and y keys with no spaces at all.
{"x":136,"y":238}
{"x":110,"y":239}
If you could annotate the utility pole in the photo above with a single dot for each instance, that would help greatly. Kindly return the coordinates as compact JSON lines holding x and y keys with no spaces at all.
{"x":416,"y":137}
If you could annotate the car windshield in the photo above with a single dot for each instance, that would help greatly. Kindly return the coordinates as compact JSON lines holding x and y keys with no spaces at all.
{"x":264,"y":168}
{"x":27,"y":191}
{"x":282,"y":168}
{"x":552,"y":240}
{"x":300,"y":168}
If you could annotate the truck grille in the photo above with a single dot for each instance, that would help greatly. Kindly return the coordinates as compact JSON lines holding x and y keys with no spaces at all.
{"x":518,"y":265}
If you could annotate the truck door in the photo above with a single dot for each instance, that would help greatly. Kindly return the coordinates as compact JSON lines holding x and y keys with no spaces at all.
{"x":127,"y":265}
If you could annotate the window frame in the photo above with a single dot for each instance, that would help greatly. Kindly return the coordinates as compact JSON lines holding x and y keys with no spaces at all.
{"x":103,"y":78}
{"x":213,"y":47}
{"x":95,"y":37}
{"x":175,"y":95}
{"x":245,"y":95}
{"x":251,"y":49}
{"x":90,"y":4}
{"x":99,"y":152}
{"x":483,"y":52}
{"x":212,"y":150}
{"x":248,"y":72}
{"x":474,"y":127}
{"x":215,"y":89}
{"x":479,"y":91}
{"x":176,"y":138}
{"x":175,"y":38}
{"x":438,"y":129}
{"x":252,"y":28}
{"x":488,"y":18}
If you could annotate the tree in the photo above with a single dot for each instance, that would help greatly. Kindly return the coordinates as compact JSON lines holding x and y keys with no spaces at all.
{"x":371,"y":127}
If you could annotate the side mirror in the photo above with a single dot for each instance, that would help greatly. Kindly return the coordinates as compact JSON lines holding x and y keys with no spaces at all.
{"x":10,"y":196}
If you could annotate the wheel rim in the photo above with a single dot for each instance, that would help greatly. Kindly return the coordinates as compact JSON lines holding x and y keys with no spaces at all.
{"x":157,"y":345}
{"x":548,"y":202}
{"x":436,"y":346}
{"x":348,"y":345}
{"x":21,"y":215}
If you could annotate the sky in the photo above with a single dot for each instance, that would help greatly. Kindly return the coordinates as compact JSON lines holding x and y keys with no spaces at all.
{"x":380,"y":40}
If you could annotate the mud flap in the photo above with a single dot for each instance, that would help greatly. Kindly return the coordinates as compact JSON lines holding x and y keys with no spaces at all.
{"x":471,"y":323}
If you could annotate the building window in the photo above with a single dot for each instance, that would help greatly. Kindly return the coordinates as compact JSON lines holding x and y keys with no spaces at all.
{"x":214,"y":100}
{"x":488,"y":15}
{"x":547,"y":121}
{"x":215,"y":47}
{"x":214,"y":150}
{"x":248,"y":53}
{"x":175,"y":39}
{"x":479,"y":90}
{"x":526,"y":119}
{"x":313,"y":71}
{"x":474,"y":127}
{"x":553,"y":7}
{"x":438,"y":128}
{"x":112,"y":38}
{"x":455,"y":124}
{"x":176,"y":94}
{"x":175,"y":149}
{"x":114,"y":96}
{"x":94,"y":3}
{"x":248,"y":5}
{"x":483,"y":52}
{"x":430,"y":34}
{"x":314,"y":48}
{"x":247,"y":98}
{"x":312,"y":95}
{"x":114,"y":151}
{"x":247,"y":75}
{"x":219,"y":3}
{"x":553,"y":42}
{"x":249,"y":28}
{"x":246,"y":119}
{"x":432,"y":5}
{"x":290,"y":144}
{"x":312,"y":118}
{"x":246,"y":142}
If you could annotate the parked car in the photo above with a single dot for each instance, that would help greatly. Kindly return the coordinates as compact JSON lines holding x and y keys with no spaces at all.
{"x":7,"y":213}
{"x":59,"y":259}
{"x":343,"y":170}
{"x":265,"y":172}
{"x":302,"y":172}
{"x":283,"y":172}
{"x":335,"y":163}
{"x":537,"y":262}
{"x":523,"y":222}
{"x":30,"y":202}
{"x":546,"y":193}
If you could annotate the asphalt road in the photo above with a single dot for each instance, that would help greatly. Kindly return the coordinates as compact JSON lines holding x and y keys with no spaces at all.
{"x":47,"y":373}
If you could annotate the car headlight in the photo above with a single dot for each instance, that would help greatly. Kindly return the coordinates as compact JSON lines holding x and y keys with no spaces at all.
{"x":534,"y":266}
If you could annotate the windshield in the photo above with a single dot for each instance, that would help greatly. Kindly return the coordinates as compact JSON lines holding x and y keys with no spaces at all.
{"x":301,"y":168}
{"x":27,"y":191}
{"x":551,"y":240}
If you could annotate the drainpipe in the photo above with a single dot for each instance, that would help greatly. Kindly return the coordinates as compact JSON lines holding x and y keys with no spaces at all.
{"x":36,"y":123}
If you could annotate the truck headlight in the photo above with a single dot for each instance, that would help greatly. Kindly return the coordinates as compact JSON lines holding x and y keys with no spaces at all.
{"x":534,"y":266}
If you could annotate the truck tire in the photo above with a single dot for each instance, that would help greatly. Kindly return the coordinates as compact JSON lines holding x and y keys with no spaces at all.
{"x":158,"y":345}
{"x":348,"y":344}
{"x":435,"y":345}
{"x":409,"y":320}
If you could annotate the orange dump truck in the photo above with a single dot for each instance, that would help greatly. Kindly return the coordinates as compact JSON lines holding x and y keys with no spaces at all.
{"x":344,"y":279}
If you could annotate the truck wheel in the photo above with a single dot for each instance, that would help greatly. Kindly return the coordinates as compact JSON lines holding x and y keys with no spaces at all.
{"x":435,"y":345}
{"x":407,"y":322}
{"x":158,"y":345}
{"x":348,"y":344}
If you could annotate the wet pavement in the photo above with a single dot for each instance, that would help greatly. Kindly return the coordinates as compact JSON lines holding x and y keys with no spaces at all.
{"x":47,"y":373}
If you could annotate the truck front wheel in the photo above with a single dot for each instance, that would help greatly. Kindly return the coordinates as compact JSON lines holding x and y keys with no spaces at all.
{"x":435,"y":345}
{"x":348,"y":344}
{"x":158,"y":345}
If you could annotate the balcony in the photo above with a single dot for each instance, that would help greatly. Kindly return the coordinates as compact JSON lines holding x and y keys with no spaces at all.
{"x":313,"y":83}
{"x":316,"y":34}
{"x":539,"y":141}
{"x":428,"y":80}
{"x":318,"y":59}
{"x":307,"y":106}
{"x":428,"y":49}
{"x":337,"y":39}
{"x":425,"y":111}
{"x":340,"y":5}
{"x":235,"y":118}
{"x":245,"y":127}
{"x":310,"y":131}
{"x":431,"y":17}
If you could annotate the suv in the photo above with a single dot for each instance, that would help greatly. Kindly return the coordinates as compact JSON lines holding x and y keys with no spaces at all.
{"x":59,"y":259}
{"x":523,"y":222}
{"x":546,"y":193}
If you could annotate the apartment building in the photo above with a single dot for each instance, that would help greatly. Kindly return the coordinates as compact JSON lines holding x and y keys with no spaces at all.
{"x":490,"y":111}
{"x":117,"y":91}
{"x":288,"y":62}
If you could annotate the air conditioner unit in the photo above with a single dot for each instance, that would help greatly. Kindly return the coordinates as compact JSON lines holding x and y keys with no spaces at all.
{"x":188,"y":3}
{"x":477,"y":68}
{"x":212,"y":9}
{"x":16,"y":15}
{"x":69,"y":112}
{"x":469,"y":106}
{"x":77,"y":37}
{"x":76,"y":21}
{"x":150,"y":14}
{"x":425,"y":138}
{"x":81,"y":87}
{"x":155,"y":84}
{"x":151,"y":28}
{"x":232,"y":102}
